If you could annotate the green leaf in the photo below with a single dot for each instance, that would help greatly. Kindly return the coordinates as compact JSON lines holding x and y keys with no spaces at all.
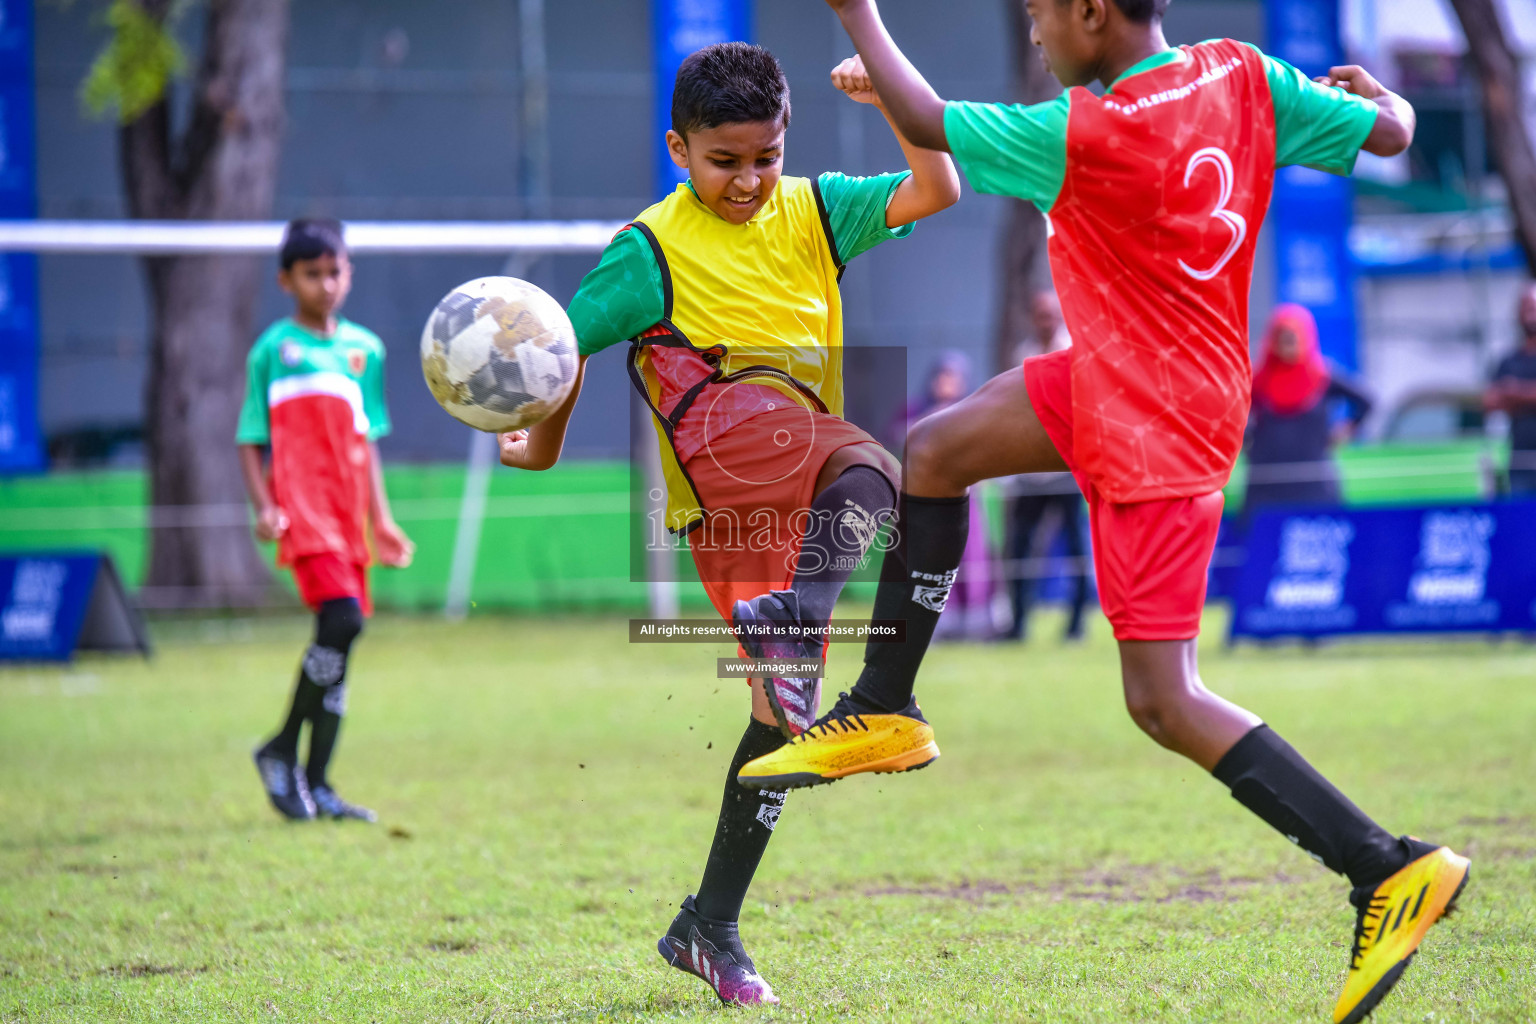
{"x":132,"y":71}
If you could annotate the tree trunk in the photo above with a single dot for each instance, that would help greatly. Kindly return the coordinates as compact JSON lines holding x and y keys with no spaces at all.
{"x":222,"y":167}
{"x":1021,"y":254}
{"x":1509,"y":136}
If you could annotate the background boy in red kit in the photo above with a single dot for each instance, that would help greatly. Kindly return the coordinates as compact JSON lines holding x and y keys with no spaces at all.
{"x":315,"y":397}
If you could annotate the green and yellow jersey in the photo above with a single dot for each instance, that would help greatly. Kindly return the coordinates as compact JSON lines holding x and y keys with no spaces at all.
{"x":743,"y":315}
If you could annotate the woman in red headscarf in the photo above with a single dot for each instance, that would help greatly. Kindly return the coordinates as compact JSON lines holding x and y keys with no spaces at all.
{"x":1291,"y":431}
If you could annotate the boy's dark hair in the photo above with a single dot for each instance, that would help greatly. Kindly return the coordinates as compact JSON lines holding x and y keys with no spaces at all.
{"x":310,"y":238}
{"x":729,"y":83}
{"x":1143,"y":11}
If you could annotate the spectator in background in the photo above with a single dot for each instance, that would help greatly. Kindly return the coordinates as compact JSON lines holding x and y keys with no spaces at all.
{"x":968,"y":614}
{"x":1044,"y":499}
{"x":1513,"y":391}
{"x":1291,"y":430}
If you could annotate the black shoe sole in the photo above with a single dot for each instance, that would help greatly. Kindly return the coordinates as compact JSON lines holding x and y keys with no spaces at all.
{"x":804,"y":780}
{"x":678,"y":963}
{"x":754,"y":649}
{"x":1364,"y":1008}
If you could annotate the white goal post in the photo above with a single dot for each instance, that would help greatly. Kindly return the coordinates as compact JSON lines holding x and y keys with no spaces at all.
{"x":518,"y":242}
{"x":185,"y":237}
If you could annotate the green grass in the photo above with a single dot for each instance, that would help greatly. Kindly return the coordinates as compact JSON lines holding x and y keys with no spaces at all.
{"x":547,"y":793}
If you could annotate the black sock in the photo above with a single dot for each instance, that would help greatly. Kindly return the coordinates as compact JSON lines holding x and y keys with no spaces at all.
{"x":325,"y":717}
{"x":325,"y":664}
{"x":286,"y":742}
{"x":914,"y":584}
{"x":844,"y":521}
{"x":1268,"y":777}
{"x":747,"y":818}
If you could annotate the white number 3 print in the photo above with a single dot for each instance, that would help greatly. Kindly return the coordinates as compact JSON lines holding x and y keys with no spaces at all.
{"x":1223,"y":164}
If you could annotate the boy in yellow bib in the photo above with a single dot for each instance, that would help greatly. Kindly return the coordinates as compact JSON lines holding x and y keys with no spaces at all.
{"x":727,"y":291}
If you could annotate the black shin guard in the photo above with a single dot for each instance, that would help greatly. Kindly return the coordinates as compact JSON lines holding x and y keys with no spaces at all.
{"x":746,"y":823}
{"x":1267,"y":776}
{"x":915,"y":579}
{"x":844,"y":521}
{"x":325,"y":666}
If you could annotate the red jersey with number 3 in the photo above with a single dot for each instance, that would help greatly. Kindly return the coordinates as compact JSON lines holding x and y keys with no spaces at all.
{"x":1152,"y":239}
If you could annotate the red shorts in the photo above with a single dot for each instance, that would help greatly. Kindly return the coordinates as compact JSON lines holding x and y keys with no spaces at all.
{"x":326,"y":577}
{"x":757,"y":482}
{"x":1150,"y":557}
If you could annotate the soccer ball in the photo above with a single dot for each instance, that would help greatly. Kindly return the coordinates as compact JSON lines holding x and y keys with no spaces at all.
{"x":499,"y":354}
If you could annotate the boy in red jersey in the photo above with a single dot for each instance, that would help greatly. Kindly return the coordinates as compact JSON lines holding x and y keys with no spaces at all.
{"x":1154,"y":192}
{"x":315,"y":397}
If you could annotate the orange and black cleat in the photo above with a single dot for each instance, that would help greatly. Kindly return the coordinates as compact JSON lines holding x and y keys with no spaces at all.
{"x":1393,"y":919}
{"x":845,"y":742}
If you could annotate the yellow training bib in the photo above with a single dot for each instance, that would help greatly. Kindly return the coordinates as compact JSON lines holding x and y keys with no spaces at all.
{"x":754,"y":301}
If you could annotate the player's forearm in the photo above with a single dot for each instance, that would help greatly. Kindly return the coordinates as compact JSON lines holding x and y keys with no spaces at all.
{"x":546,"y":439}
{"x":1395,"y":123}
{"x":913,"y":107}
{"x":933,"y":186}
{"x":253,"y":471}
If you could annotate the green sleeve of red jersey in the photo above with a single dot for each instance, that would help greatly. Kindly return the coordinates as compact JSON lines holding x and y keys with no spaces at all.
{"x":856,"y":210}
{"x":620,"y":298}
{"x":1316,"y":125}
{"x":1011,"y":149}
{"x":374,"y":406}
{"x":253,"y":427}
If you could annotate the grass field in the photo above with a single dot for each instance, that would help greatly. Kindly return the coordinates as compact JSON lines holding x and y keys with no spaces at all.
{"x":547,"y":793}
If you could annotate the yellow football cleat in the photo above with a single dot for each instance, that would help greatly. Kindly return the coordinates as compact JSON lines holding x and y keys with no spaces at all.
{"x":845,"y":743}
{"x":1393,"y":922}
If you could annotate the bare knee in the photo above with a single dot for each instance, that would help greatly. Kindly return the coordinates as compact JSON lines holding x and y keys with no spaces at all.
{"x":930,"y":463}
{"x":866,"y":454}
{"x":1155,"y":715}
{"x":1161,"y":691}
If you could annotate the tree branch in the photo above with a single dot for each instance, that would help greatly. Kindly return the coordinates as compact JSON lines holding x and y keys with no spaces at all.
{"x":1498,"y":70}
{"x":144,"y":153}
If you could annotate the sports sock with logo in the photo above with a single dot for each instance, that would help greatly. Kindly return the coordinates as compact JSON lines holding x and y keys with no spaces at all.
{"x":747,"y":819}
{"x":1267,"y":776}
{"x":915,"y":579}
{"x":325,"y":665}
{"x":844,"y":521}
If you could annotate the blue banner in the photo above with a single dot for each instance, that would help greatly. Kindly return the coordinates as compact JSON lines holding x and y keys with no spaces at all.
{"x":1311,"y":211}
{"x":43,"y":600}
{"x":21,"y":446}
{"x":679,"y":27}
{"x":1446,"y":569}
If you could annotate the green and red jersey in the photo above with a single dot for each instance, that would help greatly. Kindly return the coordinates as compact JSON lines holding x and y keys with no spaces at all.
{"x":622,"y":297}
{"x":319,"y":403}
{"x":1155,"y":193}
